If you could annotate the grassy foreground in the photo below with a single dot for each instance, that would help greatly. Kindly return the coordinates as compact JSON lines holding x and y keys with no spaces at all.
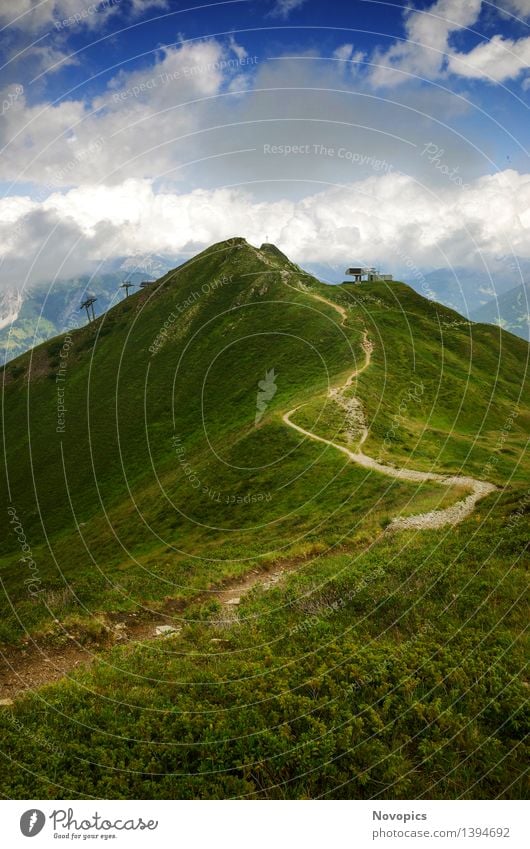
{"x":393,"y":673}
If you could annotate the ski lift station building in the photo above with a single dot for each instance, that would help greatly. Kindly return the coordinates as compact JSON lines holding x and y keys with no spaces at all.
{"x":362,"y":273}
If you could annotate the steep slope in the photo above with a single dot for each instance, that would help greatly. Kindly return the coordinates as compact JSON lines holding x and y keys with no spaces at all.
{"x":442,"y":393}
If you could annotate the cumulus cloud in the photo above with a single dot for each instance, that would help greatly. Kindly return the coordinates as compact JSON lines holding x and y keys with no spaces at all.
{"x":132,"y":128}
{"x":32,"y":16}
{"x":237,"y":49}
{"x":496,"y":60}
{"x":427,"y":51}
{"x":382,"y":219}
{"x":427,"y":41}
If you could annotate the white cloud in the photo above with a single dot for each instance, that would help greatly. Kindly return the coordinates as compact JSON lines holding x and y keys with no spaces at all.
{"x":381,"y":220}
{"x":49,"y":59}
{"x":35,"y":15}
{"x":141,"y":6}
{"x":343,"y":52}
{"x":32,"y":16}
{"x":496,"y":60}
{"x":131,"y":129}
{"x":347,"y":53}
{"x":131,"y":134}
{"x":427,"y":51}
{"x":427,"y":41}
{"x":283,"y":8}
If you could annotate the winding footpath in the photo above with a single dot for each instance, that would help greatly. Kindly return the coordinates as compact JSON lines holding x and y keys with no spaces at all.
{"x":422,"y":521}
{"x":34,"y":665}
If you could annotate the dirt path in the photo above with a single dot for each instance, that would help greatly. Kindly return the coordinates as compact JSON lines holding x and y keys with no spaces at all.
{"x":36,"y":664}
{"x":422,"y":521}
{"x":337,"y":307}
{"x":23,"y":669}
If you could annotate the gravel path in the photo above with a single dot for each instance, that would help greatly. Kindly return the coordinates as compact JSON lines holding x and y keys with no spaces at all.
{"x":25,"y":669}
{"x":422,"y":521}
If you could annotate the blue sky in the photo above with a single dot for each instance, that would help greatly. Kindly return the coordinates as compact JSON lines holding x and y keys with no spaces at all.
{"x":148,"y":125}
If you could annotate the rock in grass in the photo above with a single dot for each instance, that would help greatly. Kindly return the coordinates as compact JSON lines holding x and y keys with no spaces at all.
{"x":165,"y":630}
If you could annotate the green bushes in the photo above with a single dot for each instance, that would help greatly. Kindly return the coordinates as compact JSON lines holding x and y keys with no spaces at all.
{"x":409,"y":689}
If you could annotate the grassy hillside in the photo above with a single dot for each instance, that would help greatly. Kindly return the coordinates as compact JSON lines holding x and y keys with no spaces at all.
{"x":147,"y":463}
{"x":442,"y":392}
{"x":130,"y":492}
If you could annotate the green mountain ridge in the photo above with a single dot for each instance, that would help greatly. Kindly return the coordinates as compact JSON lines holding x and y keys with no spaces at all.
{"x":148,"y":465}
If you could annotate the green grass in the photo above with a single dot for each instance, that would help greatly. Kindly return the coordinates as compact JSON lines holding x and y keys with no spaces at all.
{"x":392,"y":672}
{"x":409,"y":687}
{"x":106,"y":505}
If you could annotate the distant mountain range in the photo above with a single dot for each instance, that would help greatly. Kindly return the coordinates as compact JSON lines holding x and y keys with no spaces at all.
{"x":511,"y":311}
{"x":496,"y":296}
{"x":29,"y":318}
{"x":468,"y":290}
